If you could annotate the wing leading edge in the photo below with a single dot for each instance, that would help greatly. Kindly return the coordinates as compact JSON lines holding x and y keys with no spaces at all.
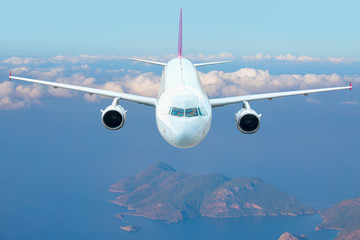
{"x":101,"y":92}
{"x":217,"y":102}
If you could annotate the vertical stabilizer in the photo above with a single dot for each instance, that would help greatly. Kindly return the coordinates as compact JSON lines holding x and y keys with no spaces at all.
{"x":180,"y":36}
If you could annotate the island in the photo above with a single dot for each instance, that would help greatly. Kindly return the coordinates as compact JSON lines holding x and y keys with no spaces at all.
{"x":344,"y":216}
{"x":130,"y":228}
{"x":162,"y":193}
{"x":290,"y":236}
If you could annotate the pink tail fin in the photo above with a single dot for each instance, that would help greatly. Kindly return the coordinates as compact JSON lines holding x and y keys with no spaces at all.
{"x":180,"y":36}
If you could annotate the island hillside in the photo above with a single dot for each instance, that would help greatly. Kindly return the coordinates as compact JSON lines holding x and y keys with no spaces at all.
{"x":290,"y":236}
{"x":344,"y":216}
{"x":160,"y":192}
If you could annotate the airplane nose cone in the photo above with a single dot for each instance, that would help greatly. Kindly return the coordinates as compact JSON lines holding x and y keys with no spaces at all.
{"x":187,"y":133}
{"x":186,"y":139}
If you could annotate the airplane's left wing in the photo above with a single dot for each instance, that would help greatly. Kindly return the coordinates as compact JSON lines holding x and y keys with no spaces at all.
{"x":125,"y":96}
{"x":217,"y":102}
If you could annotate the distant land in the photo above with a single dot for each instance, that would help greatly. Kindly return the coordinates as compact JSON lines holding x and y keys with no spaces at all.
{"x":130,"y":228}
{"x":162,"y":193}
{"x":290,"y":236}
{"x":344,"y":216}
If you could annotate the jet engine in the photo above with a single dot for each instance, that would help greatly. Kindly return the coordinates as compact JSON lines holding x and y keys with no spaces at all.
{"x":114,"y":116}
{"x":247,"y":120}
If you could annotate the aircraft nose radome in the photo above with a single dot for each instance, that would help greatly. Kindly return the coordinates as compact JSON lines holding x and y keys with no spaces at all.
{"x":185,"y":139}
{"x":188,"y":136}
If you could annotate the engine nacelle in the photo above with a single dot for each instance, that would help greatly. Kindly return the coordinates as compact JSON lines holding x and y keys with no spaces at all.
{"x":247,"y":120}
{"x":113,"y":117}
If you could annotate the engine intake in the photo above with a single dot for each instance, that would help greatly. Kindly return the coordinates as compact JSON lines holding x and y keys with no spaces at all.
{"x":247,"y":120}
{"x":114,"y":116}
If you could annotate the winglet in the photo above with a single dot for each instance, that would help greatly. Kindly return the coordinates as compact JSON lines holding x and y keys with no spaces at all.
{"x":10,"y":75}
{"x":350,"y":86}
{"x":180,"y":36}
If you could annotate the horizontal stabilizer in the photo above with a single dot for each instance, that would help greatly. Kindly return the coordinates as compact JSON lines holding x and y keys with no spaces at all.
{"x":147,"y":61}
{"x":209,"y":63}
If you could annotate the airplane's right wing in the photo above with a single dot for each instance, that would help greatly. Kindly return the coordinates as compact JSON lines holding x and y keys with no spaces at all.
{"x":125,"y":96}
{"x":217,"y":102}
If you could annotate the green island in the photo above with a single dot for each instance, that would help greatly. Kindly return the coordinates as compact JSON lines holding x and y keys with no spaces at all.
{"x":162,"y":193}
{"x":344,"y":216}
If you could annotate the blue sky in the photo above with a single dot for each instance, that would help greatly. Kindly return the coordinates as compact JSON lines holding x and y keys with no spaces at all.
{"x":314,"y":28}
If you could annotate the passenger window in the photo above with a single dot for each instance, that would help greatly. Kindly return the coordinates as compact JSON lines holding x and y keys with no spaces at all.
{"x":177,"y":112}
{"x":191,"y":112}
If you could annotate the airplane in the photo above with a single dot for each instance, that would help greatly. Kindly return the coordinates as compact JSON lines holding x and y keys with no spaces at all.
{"x":183,"y":110}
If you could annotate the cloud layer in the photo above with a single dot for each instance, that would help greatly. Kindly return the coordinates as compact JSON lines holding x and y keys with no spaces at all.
{"x":302,"y":58}
{"x":79,"y":71}
{"x":249,"y":80}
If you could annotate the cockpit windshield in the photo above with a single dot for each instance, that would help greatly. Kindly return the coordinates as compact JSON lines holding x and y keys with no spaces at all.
{"x":179,"y":112}
{"x":189,"y":112}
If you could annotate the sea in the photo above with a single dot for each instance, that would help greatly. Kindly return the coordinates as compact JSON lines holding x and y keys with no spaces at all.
{"x":92,"y":216}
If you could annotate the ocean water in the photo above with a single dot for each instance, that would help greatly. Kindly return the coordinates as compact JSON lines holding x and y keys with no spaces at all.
{"x":91,"y":216}
{"x":39,"y":203}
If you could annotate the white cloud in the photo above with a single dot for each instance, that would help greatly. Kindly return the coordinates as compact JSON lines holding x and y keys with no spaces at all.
{"x":280,"y":57}
{"x":115,"y":71}
{"x":78,"y":59}
{"x":116,"y":86}
{"x":302,"y":58}
{"x":6,"y":89}
{"x":45,"y":73}
{"x":59,"y":92}
{"x":113,"y":86}
{"x":84,"y":58}
{"x":12,"y":97}
{"x":289,"y":57}
{"x":313,"y":100}
{"x":336,"y":60}
{"x":38,"y":73}
{"x":258,"y":56}
{"x":8,"y":104}
{"x":216,"y":83}
{"x":352,"y":78}
{"x":20,"y":70}
{"x":29,"y":91}
{"x":91,"y":97}
{"x":146,"y":84}
{"x":211,"y":57}
{"x":81,"y":67}
{"x":341,"y":60}
{"x":249,"y":80}
{"x":353,"y":102}
{"x":75,"y":79}
{"x":21,"y":60}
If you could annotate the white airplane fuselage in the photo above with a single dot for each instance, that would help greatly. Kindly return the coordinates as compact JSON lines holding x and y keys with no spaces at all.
{"x":183,"y":111}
